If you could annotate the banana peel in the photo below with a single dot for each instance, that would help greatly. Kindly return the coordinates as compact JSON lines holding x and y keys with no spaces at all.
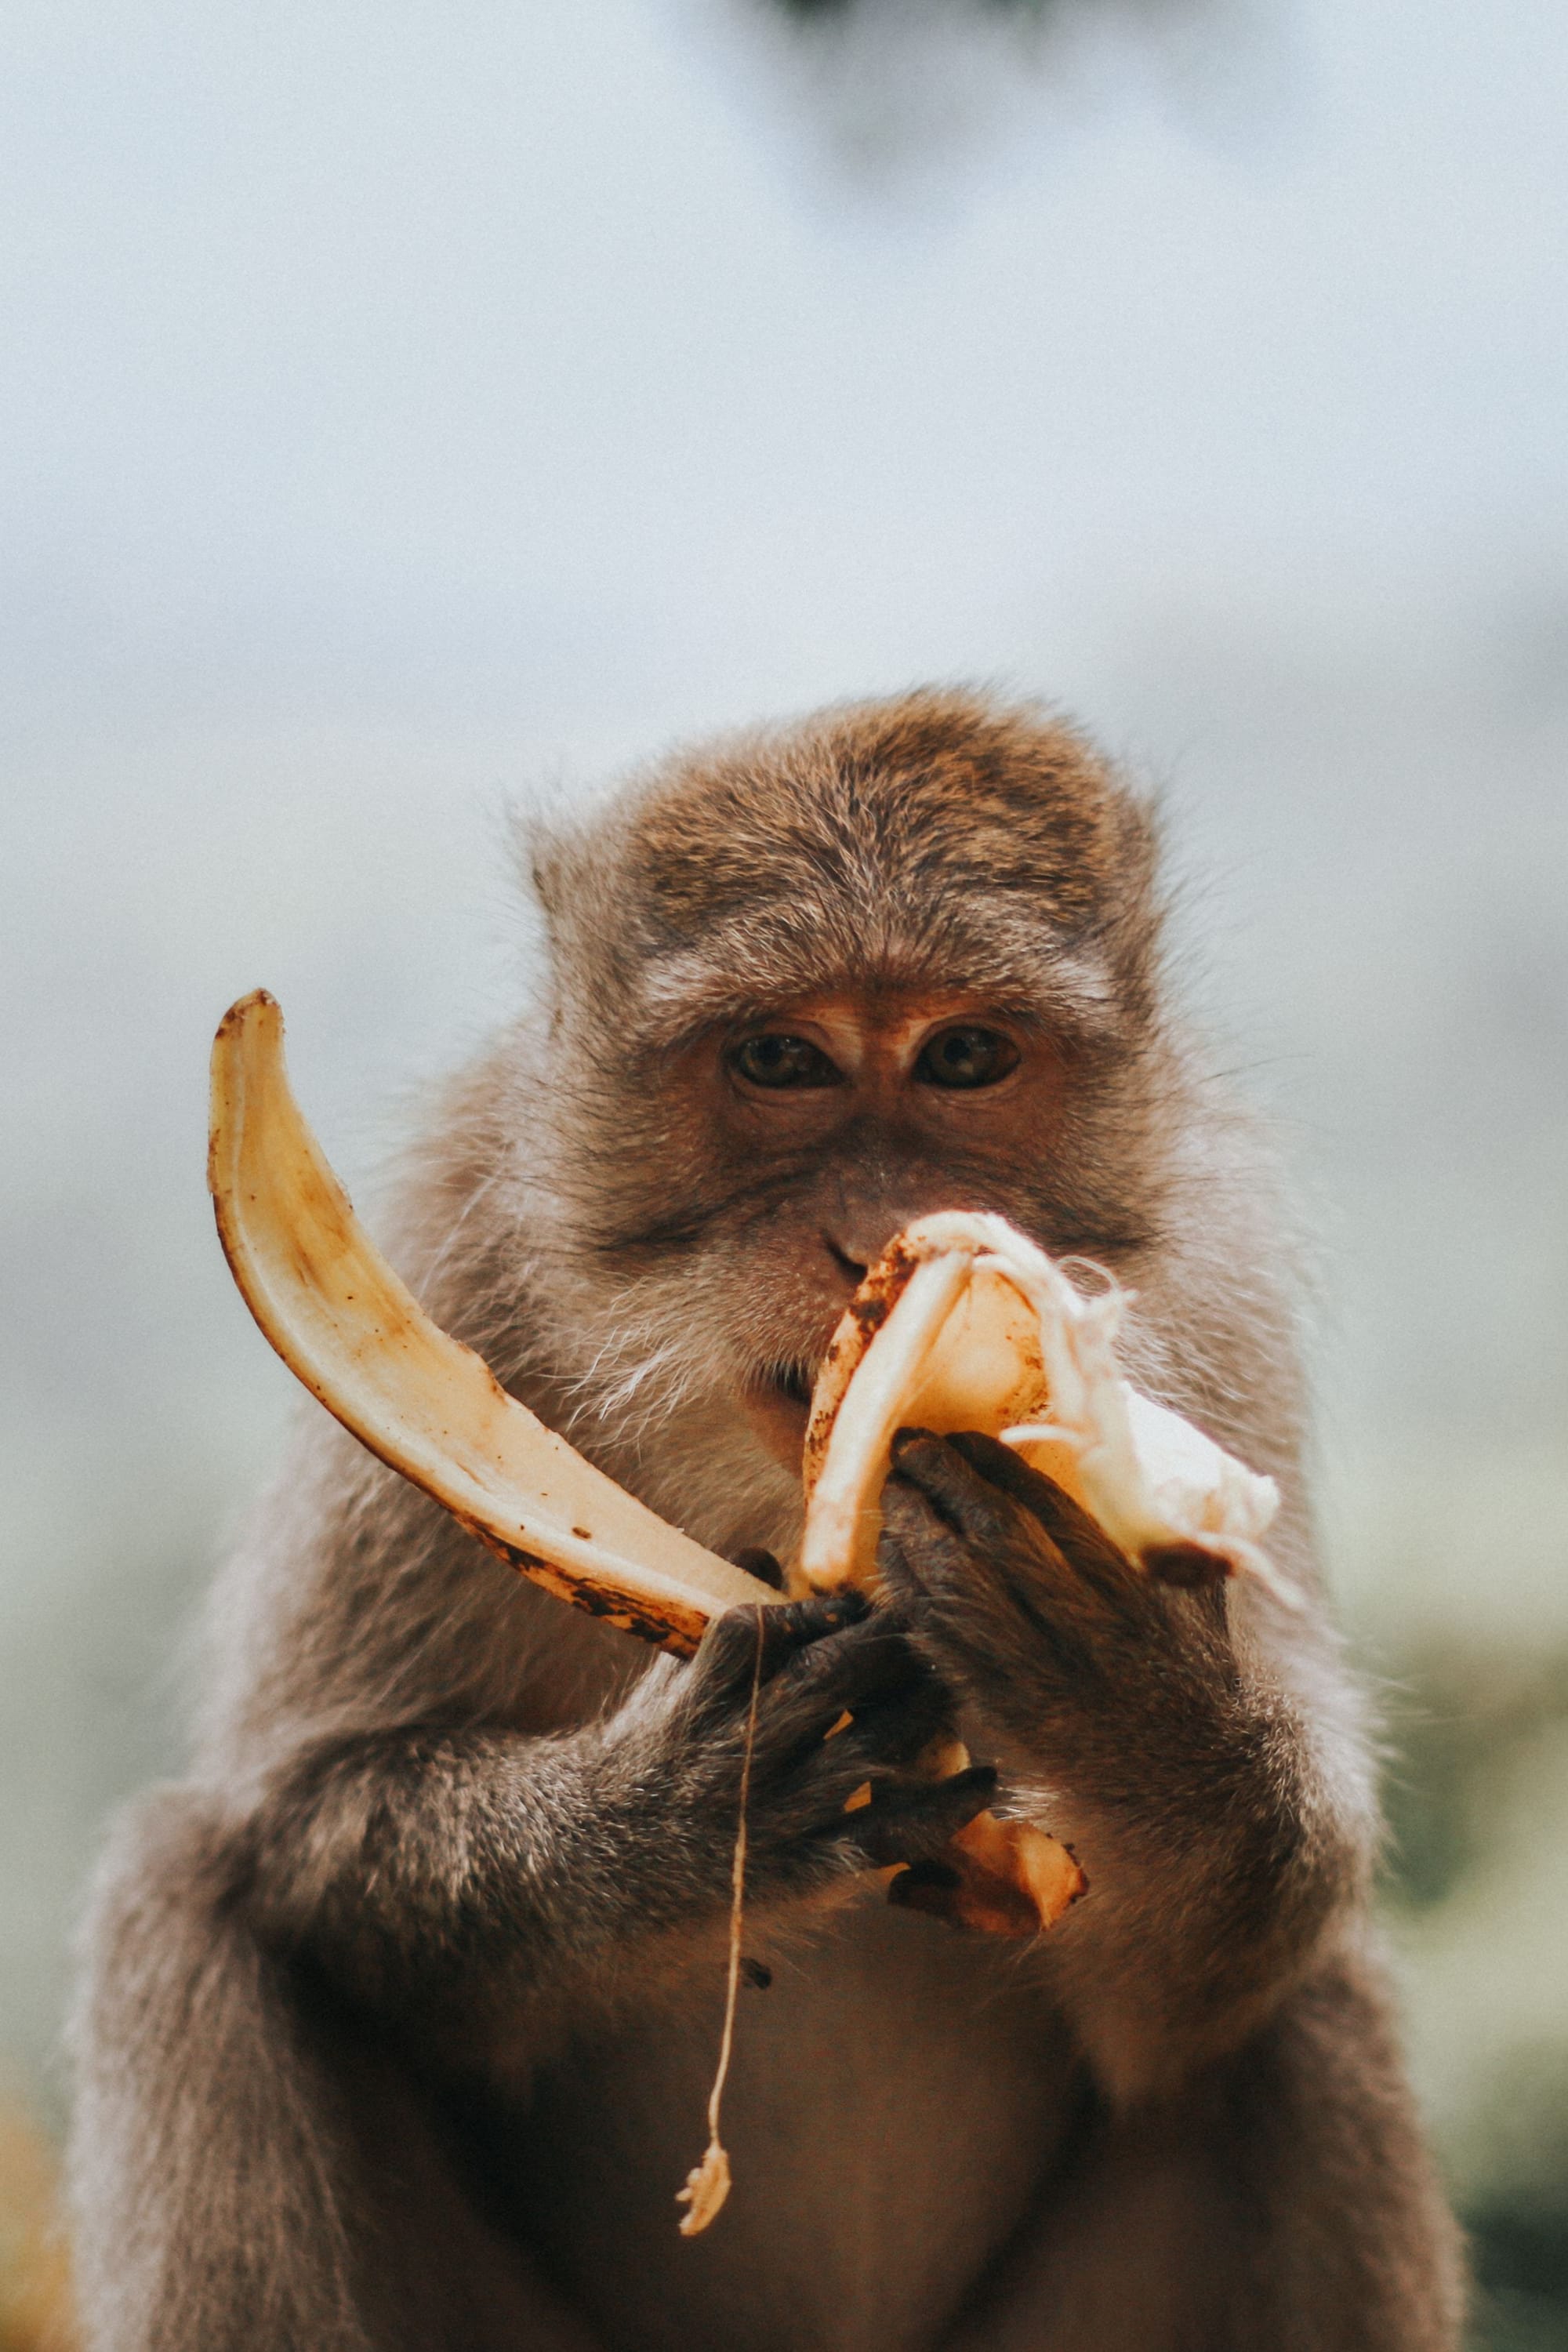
{"x":361,"y":1342}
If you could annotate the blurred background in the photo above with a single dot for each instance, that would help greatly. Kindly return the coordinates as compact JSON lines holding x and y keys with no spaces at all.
{"x":402,"y":408}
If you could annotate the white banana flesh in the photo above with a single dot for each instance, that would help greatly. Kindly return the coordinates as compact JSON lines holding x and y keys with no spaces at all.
{"x":965,"y":1324}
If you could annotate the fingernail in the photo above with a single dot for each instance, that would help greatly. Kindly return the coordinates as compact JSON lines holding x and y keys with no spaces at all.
{"x":904,"y":1438}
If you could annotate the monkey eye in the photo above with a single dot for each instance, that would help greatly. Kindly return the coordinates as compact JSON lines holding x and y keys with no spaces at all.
{"x":776,"y":1060}
{"x":965,"y":1057}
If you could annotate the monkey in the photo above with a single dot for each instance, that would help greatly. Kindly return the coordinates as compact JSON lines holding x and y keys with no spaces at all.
{"x":398,"y":2011}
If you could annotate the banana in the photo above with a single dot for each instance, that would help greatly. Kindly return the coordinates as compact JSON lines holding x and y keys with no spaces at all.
{"x":360,"y":1342}
{"x":963,"y":1323}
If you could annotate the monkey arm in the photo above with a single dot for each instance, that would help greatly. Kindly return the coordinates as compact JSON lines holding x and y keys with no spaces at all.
{"x":1222,"y":1828}
{"x":428,"y":1861}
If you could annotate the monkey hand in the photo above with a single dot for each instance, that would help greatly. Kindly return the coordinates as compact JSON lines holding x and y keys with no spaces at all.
{"x":444,"y":1863}
{"x":1221,"y":1824}
{"x":845,"y":1704}
{"x":1078,"y":1659}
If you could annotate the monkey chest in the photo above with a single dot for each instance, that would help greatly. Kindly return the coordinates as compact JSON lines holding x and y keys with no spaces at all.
{"x":898,"y":2100}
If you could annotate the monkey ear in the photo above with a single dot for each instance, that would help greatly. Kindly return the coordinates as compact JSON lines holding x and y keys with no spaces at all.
{"x":566,"y":858}
{"x":557,"y":838}
{"x":547,"y":861}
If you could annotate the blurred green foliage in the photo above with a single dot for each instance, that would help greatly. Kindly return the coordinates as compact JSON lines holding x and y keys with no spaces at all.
{"x":1466,"y":1726}
{"x":1459,"y":1721}
{"x":1517,"y":2211}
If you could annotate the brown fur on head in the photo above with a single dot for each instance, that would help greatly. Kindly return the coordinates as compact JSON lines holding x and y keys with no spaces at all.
{"x":942,"y":830}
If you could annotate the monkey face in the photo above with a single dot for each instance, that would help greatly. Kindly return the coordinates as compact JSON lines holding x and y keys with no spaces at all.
{"x":798,"y":1138}
{"x":871,"y":1108}
{"x":807,"y":993}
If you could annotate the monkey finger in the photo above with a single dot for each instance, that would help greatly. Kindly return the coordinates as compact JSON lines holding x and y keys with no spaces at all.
{"x":1034,"y":1541}
{"x":930,"y":1886}
{"x":1189,"y":1567}
{"x":967,"y":1605}
{"x":1081,"y":1540}
{"x":726,"y":1663}
{"x":804,"y":1629}
{"x":761,"y":1564}
{"x":926,"y":1563}
{"x":869,"y":1661}
{"x":814,"y":1777}
{"x":912,"y":1822}
{"x":983,"y":1513}
{"x":894,"y":1729}
{"x":816,"y":1781}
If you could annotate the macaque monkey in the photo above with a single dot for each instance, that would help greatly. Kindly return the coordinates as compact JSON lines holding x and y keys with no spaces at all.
{"x":401,"y":2009}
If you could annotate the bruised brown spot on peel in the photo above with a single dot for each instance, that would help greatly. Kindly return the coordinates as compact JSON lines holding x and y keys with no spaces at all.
{"x":869,"y":1314}
{"x":627,"y":1612}
{"x":859,"y":1324}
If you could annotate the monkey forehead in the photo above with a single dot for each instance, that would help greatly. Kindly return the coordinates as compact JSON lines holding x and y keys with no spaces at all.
{"x":931,"y":793}
{"x":939,"y":838}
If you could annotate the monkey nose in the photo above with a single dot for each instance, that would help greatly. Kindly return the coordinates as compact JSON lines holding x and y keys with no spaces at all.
{"x":855,"y":1233}
{"x":843,"y":1256}
{"x":856,"y":1241}
{"x":859,"y":1220}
